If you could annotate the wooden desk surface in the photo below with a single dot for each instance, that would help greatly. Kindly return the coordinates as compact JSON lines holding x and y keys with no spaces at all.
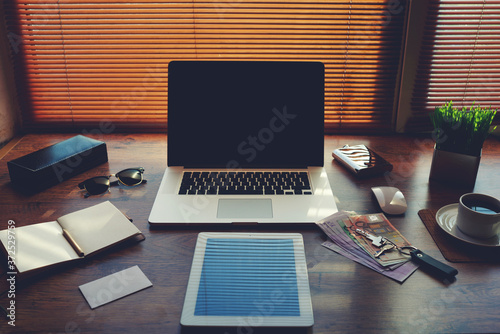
{"x":346,"y":296}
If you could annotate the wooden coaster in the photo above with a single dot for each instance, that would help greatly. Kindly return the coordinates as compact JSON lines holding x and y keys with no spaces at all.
{"x":455,"y":250}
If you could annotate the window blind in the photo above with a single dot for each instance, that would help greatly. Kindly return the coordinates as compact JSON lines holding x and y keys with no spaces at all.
{"x":459,"y":60}
{"x":79,"y":63}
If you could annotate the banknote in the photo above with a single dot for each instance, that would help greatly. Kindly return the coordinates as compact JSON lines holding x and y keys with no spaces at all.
{"x":398,"y":273}
{"x":342,"y":242}
{"x":377,"y":225}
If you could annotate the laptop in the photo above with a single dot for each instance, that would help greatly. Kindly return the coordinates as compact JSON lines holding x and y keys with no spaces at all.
{"x":245,"y":144}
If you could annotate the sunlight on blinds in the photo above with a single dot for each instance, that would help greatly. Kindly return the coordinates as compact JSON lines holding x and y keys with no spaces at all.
{"x":80,"y":63}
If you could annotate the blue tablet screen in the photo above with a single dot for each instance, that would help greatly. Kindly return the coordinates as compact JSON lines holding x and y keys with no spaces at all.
{"x":248,"y":277}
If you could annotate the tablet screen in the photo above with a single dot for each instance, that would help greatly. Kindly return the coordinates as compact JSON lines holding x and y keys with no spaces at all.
{"x":239,"y":277}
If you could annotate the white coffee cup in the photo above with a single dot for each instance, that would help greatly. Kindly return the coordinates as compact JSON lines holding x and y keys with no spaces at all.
{"x":478,"y":215}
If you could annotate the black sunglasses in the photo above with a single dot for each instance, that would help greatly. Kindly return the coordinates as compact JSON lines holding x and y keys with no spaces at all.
{"x":100,"y":184}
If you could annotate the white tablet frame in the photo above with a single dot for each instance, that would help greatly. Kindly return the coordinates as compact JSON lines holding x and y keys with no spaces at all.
{"x":305,"y":319}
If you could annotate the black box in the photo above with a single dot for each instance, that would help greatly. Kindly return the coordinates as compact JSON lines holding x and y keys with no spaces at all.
{"x":52,"y":165}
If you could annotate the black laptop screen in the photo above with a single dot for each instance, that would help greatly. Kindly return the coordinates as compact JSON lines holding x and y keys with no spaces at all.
{"x":245,"y":114}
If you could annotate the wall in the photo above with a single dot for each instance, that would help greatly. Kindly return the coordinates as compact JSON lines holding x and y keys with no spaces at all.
{"x":10,"y":119}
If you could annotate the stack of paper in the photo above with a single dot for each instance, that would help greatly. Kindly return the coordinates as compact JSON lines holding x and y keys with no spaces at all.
{"x":340,"y":228}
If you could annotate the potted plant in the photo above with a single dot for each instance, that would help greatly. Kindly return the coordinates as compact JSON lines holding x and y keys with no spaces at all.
{"x":459,"y":136}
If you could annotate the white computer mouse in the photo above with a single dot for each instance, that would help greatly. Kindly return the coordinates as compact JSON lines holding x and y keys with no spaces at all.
{"x":390,"y":199}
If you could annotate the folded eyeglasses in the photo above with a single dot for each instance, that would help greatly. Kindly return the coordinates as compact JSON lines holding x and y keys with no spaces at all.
{"x":100,"y":184}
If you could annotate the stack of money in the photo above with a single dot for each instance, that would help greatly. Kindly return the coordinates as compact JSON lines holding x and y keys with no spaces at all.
{"x":347,"y":233}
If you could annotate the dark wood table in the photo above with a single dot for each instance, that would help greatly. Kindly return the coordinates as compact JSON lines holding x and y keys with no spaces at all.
{"x":346,"y":296}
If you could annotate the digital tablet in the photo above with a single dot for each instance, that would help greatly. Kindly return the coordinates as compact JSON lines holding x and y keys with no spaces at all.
{"x":248,"y":280}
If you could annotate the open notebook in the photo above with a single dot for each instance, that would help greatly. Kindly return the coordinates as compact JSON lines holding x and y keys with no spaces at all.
{"x":71,"y":237}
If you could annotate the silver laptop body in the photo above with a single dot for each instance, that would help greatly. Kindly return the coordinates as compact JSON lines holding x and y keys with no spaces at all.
{"x":245,"y":144}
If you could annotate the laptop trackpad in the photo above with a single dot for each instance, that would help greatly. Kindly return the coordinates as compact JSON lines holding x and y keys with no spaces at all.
{"x":245,"y":208}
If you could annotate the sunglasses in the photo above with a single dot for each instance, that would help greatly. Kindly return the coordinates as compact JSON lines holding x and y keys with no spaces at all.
{"x":100,"y":184}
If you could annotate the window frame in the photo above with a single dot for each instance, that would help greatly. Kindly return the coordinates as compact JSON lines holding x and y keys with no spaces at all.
{"x":410,"y":119}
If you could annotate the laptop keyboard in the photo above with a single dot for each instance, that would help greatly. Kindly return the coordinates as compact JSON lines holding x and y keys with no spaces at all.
{"x":245,"y":183}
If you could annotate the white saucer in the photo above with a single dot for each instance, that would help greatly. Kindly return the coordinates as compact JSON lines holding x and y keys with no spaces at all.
{"x":446,"y":218}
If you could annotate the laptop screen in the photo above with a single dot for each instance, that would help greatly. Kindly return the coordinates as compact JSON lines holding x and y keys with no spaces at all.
{"x":234,"y":114}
